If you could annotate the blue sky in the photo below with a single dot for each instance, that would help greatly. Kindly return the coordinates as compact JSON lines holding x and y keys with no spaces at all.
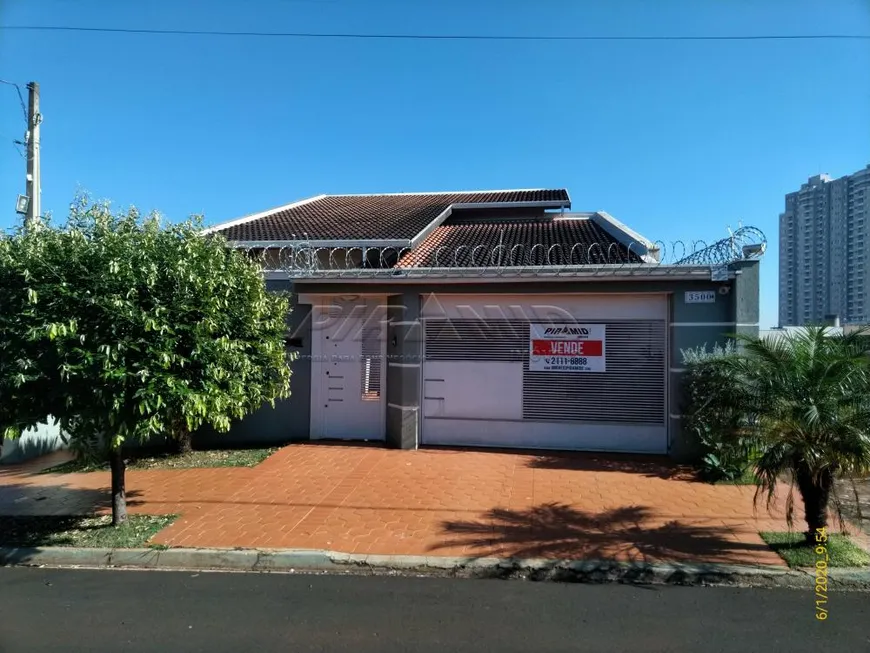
{"x":677,"y":139}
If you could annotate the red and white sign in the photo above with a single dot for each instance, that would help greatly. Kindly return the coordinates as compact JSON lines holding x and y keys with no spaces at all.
{"x":567,"y":348}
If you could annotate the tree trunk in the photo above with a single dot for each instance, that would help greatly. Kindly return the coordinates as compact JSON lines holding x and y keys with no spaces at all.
{"x":815,"y":491}
{"x":183,"y":441}
{"x":119,"y":493}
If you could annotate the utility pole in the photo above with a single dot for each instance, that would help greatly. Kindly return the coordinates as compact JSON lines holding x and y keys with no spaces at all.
{"x":34,"y":185}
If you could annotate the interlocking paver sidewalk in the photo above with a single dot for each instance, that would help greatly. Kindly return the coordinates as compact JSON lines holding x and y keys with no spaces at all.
{"x":370,"y":500}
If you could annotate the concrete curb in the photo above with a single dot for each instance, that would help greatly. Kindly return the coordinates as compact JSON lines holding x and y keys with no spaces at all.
{"x":306,"y":560}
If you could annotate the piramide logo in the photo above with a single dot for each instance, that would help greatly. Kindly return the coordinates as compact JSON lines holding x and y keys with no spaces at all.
{"x":566,"y":331}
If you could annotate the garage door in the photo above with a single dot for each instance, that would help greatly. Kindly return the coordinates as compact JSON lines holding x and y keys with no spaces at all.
{"x":488,"y":378}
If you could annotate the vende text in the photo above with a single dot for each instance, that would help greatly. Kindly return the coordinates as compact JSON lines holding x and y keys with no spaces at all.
{"x":567,"y":347}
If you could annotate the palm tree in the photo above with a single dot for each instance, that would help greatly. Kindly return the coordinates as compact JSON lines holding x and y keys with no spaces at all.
{"x":808,"y":409}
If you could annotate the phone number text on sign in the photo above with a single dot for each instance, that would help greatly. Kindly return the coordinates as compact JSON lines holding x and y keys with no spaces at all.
{"x":567,"y":348}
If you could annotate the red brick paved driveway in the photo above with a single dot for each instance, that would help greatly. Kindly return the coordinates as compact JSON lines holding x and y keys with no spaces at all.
{"x":433,"y":502}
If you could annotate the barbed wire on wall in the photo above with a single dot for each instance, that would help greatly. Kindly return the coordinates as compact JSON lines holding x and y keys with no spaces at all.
{"x":745,"y":243}
{"x":303,"y":259}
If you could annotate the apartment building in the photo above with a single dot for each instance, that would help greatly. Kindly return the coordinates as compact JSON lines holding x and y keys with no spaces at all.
{"x":824,"y":251}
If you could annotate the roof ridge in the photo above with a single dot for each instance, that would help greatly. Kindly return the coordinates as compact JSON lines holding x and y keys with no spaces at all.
{"x":446,"y":192}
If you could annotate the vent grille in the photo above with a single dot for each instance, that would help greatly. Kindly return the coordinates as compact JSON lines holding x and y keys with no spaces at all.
{"x":371,"y":359}
{"x":632,"y":390}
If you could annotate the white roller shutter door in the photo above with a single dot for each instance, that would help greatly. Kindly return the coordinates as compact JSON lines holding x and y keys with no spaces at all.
{"x":478,"y":389}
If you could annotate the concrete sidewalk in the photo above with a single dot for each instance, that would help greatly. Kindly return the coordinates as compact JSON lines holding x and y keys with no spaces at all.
{"x":373,"y":501}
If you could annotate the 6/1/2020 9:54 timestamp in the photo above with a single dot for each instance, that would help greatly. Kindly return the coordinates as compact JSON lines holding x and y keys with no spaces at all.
{"x":821,"y":577}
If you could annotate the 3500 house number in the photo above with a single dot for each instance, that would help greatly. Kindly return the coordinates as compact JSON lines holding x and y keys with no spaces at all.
{"x":700,"y":296}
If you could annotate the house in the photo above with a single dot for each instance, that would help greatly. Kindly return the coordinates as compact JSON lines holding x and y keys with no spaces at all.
{"x":487,"y":318}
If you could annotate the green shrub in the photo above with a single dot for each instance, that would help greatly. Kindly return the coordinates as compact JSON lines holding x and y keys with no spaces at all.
{"x":713,"y":413}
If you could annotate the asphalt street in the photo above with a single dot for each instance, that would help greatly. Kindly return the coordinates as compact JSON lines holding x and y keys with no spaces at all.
{"x":112,"y":611}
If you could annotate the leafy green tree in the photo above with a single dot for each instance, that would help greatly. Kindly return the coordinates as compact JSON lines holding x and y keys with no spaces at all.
{"x":123,"y":329}
{"x":805,"y":401}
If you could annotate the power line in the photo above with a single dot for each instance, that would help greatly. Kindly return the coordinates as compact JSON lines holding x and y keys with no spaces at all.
{"x":15,"y":143}
{"x":20,"y":97}
{"x":440,"y":37}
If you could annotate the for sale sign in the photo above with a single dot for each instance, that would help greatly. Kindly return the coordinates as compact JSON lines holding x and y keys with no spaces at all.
{"x":567,"y":347}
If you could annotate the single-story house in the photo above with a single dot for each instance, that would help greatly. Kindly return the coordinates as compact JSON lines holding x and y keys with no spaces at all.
{"x":486,"y":319}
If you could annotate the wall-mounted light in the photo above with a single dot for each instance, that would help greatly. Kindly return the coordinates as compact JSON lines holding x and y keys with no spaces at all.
{"x":22,"y":204}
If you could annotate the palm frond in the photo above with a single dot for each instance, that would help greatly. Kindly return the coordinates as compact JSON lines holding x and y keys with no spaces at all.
{"x":804,"y":399}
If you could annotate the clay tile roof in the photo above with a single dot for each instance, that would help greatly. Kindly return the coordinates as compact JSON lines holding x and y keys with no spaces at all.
{"x":372,"y":217}
{"x":553,"y":241}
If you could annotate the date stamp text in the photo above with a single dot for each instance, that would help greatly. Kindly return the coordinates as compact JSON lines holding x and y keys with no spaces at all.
{"x":821,"y":580}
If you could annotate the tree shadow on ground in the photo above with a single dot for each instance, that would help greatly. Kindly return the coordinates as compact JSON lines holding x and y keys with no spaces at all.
{"x":52,"y":530}
{"x":57,"y":499}
{"x":560,"y":531}
{"x":34,"y":516}
{"x":650,"y":466}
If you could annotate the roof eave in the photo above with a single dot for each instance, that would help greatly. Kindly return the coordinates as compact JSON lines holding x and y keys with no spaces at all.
{"x":639,"y":271}
{"x":633,"y":241}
